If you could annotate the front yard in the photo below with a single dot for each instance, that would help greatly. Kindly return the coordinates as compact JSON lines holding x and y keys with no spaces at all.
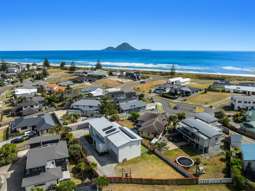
{"x":214,"y":166}
{"x":208,"y":98}
{"x":147,"y":166}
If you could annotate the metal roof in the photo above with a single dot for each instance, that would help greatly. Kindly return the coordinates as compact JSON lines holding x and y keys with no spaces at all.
{"x":38,"y":157}
{"x":202,"y":127}
{"x":248,"y":151}
{"x":206,"y":117}
{"x":87,"y":102}
{"x":44,"y":138}
{"x":131,"y":105}
{"x":50,"y":175}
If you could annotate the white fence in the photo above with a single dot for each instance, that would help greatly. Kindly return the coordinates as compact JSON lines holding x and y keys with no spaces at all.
{"x":215,"y":181}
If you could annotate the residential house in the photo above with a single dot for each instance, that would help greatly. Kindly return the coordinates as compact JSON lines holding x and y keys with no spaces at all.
{"x":25,"y":92}
{"x":92,"y":91}
{"x":54,"y":88}
{"x":28,"y":106}
{"x":151,"y":125}
{"x":242,"y":102}
{"x":204,"y":137}
{"x":87,"y":107}
{"x":122,"y":143}
{"x":249,"y":124}
{"x":248,"y":89}
{"x":46,"y":166}
{"x":132,"y":106}
{"x":97,"y":74}
{"x":66,"y":83}
{"x":118,"y":95}
{"x":38,"y":123}
{"x":179,"y":81}
{"x":236,"y":140}
{"x":43,"y":140}
{"x":248,"y":156}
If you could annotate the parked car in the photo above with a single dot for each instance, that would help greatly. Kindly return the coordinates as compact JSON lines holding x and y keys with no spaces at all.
{"x":18,"y":139}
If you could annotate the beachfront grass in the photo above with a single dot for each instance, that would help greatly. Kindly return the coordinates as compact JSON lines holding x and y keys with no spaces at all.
{"x":201,"y":84}
{"x":108,"y":83}
{"x":214,"y":166}
{"x":57,"y":75}
{"x":147,"y":165}
{"x":208,"y":98}
{"x":145,"y":88}
{"x":131,"y":187}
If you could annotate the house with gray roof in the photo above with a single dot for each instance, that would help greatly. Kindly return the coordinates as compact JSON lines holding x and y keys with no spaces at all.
{"x":43,"y":140}
{"x":46,"y":166}
{"x":204,"y":137}
{"x":28,"y":106}
{"x":132,"y":106}
{"x":109,"y":137}
{"x":87,"y":107}
{"x":248,"y":156}
{"x":38,"y":123}
{"x":151,"y":125}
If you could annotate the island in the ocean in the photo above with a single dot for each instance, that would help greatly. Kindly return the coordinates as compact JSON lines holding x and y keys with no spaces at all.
{"x":124,"y":46}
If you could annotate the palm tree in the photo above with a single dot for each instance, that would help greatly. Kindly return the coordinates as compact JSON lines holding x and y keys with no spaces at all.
{"x":197,"y":163}
{"x":101,"y":182}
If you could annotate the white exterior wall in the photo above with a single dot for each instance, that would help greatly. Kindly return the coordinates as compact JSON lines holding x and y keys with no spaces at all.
{"x":245,"y":163}
{"x":244,"y":102}
{"x":129,"y":151}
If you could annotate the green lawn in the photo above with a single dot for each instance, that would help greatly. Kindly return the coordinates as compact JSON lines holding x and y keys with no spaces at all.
{"x":147,"y":165}
{"x":214,"y":165}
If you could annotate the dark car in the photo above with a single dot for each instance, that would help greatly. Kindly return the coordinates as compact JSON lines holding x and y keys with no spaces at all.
{"x":19,"y":139}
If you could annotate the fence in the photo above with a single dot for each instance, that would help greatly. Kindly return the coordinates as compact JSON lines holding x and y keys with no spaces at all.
{"x":148,"y":181}
{"x":215,"y":181}
{"x":178,"y":168}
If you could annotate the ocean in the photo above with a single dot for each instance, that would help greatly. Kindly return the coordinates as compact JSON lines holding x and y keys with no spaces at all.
{"x":208,"y":62}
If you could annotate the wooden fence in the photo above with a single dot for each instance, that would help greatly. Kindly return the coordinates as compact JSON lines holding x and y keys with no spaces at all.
{"x":177,"y":167}
{"x":149,"y":181}
{"x":215,"y":181}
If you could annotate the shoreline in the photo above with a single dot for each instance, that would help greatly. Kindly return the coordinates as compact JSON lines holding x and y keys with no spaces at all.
{"x":144,"y":70}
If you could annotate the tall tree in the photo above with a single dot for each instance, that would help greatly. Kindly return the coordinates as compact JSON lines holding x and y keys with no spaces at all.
{"x":108,"y":107}
{"x":8,"y":154}
{"x":98,"y":65}
{"x":101,"y":182}
{"x":3,"y":66}
{"x":72,"y":67}
{"x":66,"y":185}
{"x":173,"y":70}
{"x":28,"y":66}
{"x":46,"y":63}
{"x":62,"y":65}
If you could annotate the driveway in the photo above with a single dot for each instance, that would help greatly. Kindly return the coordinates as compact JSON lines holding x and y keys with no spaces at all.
{"x":105,"y":163}
{"x":13,"y":174}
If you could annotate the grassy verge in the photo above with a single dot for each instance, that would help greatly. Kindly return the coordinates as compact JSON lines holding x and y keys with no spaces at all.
{"x":208,"y":98}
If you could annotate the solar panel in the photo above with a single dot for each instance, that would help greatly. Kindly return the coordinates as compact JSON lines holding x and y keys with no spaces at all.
{"x":110,"y":131}
{"x":107,"y":128}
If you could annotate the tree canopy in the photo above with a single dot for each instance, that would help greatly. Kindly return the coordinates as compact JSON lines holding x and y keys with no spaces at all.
{"x":8,"y":154}
{"x":66,"y":185}
{"x":46,"y":63}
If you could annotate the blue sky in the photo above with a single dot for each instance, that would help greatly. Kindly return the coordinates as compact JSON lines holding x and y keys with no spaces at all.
{"x":155,"y":24}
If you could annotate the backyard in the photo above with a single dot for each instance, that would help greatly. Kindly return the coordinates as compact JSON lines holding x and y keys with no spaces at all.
{"x":208,"y":98}
{"x":147,"y":166}
{"x":214,"y":166}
